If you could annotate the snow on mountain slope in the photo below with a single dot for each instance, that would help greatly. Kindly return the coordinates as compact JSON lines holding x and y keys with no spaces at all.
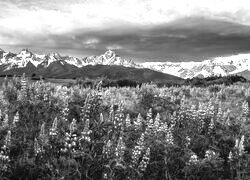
{"x":21,"y":59}
{"x":110,"y":58}
{"x":74,"y":61}
{"x":218,"y":66}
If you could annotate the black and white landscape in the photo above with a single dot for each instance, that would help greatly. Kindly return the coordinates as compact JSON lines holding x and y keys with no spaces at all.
{"x":124,"y":89}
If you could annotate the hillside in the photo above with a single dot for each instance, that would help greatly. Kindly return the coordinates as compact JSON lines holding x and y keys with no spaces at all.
{"x":114,"y":73}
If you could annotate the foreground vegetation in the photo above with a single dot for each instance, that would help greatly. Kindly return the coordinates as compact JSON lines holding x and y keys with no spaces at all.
{"x":56,"y":132}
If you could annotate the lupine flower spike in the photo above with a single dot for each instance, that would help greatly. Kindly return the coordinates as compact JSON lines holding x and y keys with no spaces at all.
{"x":101,"y":118}
{"x":128,"y":121}
{"x":15,"y":119}
{"x":136,"y":153}
{"x":72,"y":126}
{"x":5,"y":123}
{"x":138,"y":121}
{"x":145,"y":161}
{"x":106,"y":151}
{"x":119,"y":150}
{"x":4,"y":152}
{"x":85,"y":134}
{"x":53,"y":130}
{"x":37,"y":148}
{"x":42,"y":135}
{"x":157,"y":122}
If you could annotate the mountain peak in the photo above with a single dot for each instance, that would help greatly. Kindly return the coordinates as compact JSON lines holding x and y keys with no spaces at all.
{"x":26,"y":51}
{"x":54,"y":55}
{"x":109,"y":53}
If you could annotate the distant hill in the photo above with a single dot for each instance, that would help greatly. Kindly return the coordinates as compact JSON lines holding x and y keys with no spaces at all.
{"x":245,"y":74}
{"x":113,"y":73}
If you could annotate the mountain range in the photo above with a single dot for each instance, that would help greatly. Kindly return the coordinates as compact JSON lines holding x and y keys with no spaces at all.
{"x":55,"y":65}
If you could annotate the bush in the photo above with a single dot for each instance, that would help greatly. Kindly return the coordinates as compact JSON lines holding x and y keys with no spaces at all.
{"x":142,"y":132}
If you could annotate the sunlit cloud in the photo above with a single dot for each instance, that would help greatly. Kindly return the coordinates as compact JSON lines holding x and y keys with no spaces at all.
{"x":90,"y":43}
{"x":114,"y":47}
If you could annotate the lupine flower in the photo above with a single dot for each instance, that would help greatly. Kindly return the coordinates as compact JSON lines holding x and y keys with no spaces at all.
{"x":245,"y":108}
{"x":138,"y":121}
{"x":128,"y":121}
{"x":210,"y":109}
{"x":37,"y":148}
{"x":101,"y":118}
{"x":105,"y":176}
{"x":188,"y":141}
{"x":145,"y":160}
{"x":111,"y":114}
{"x":193,"y":113}
{"x":119,"y":116}
{"x":42,"y":135}
{"x":65,"y":114}
{"x":70,"y":143}
{"x":157,"y":122}
{"x":15,"y":119}
{"x":4,"y":151}
{"x":219,"y":113}
{"x":87,"y":108}
{"x":106,"y":151}
{"x":24,"y":82}
{"x":230,"y":156}
{"x":23,"y":92}
{"x":71,"y":139}
{"x":149,"y":118}
{"x":136,"y":152}
{"x":236,"y":143}
{"x":86,"y":132}
{"x":173,"y":118}
{"x":210,"y":155}
{"x":169,"y":135}
{"x":53,"y":129}
{"x":72,"y":126}
{"x":5,"y":123}
{"x":193,"y":159}
{"x":168,"y":132}
{"x":241,"y":148}
{"x":7,"y":139}
{"x":120,"y":149}
{"x":211,"y":125}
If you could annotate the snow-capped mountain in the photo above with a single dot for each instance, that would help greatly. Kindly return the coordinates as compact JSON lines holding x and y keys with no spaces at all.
{"x":217,"y":66}
{"x":21,"y":59}
{"x":109,"y":58}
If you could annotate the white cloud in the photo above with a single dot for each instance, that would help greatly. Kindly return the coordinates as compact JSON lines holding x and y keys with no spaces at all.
{"x":90,"y":43}
{"x":114,"y":47}
{"x":100,"y":14}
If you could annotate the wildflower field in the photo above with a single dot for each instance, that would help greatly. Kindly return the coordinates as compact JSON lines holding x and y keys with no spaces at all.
{"x":50,"y":131}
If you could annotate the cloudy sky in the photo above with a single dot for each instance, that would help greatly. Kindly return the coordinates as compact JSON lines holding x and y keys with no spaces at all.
{"x":145,"y":30}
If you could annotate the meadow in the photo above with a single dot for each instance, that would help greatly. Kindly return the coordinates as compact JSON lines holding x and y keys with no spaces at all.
{"x":52,"y":131}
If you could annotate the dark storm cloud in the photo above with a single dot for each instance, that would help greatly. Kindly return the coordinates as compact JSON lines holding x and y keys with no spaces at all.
{"x":176,"y":41}
{"x":152,"y":30}
{"x":172,"y":42}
